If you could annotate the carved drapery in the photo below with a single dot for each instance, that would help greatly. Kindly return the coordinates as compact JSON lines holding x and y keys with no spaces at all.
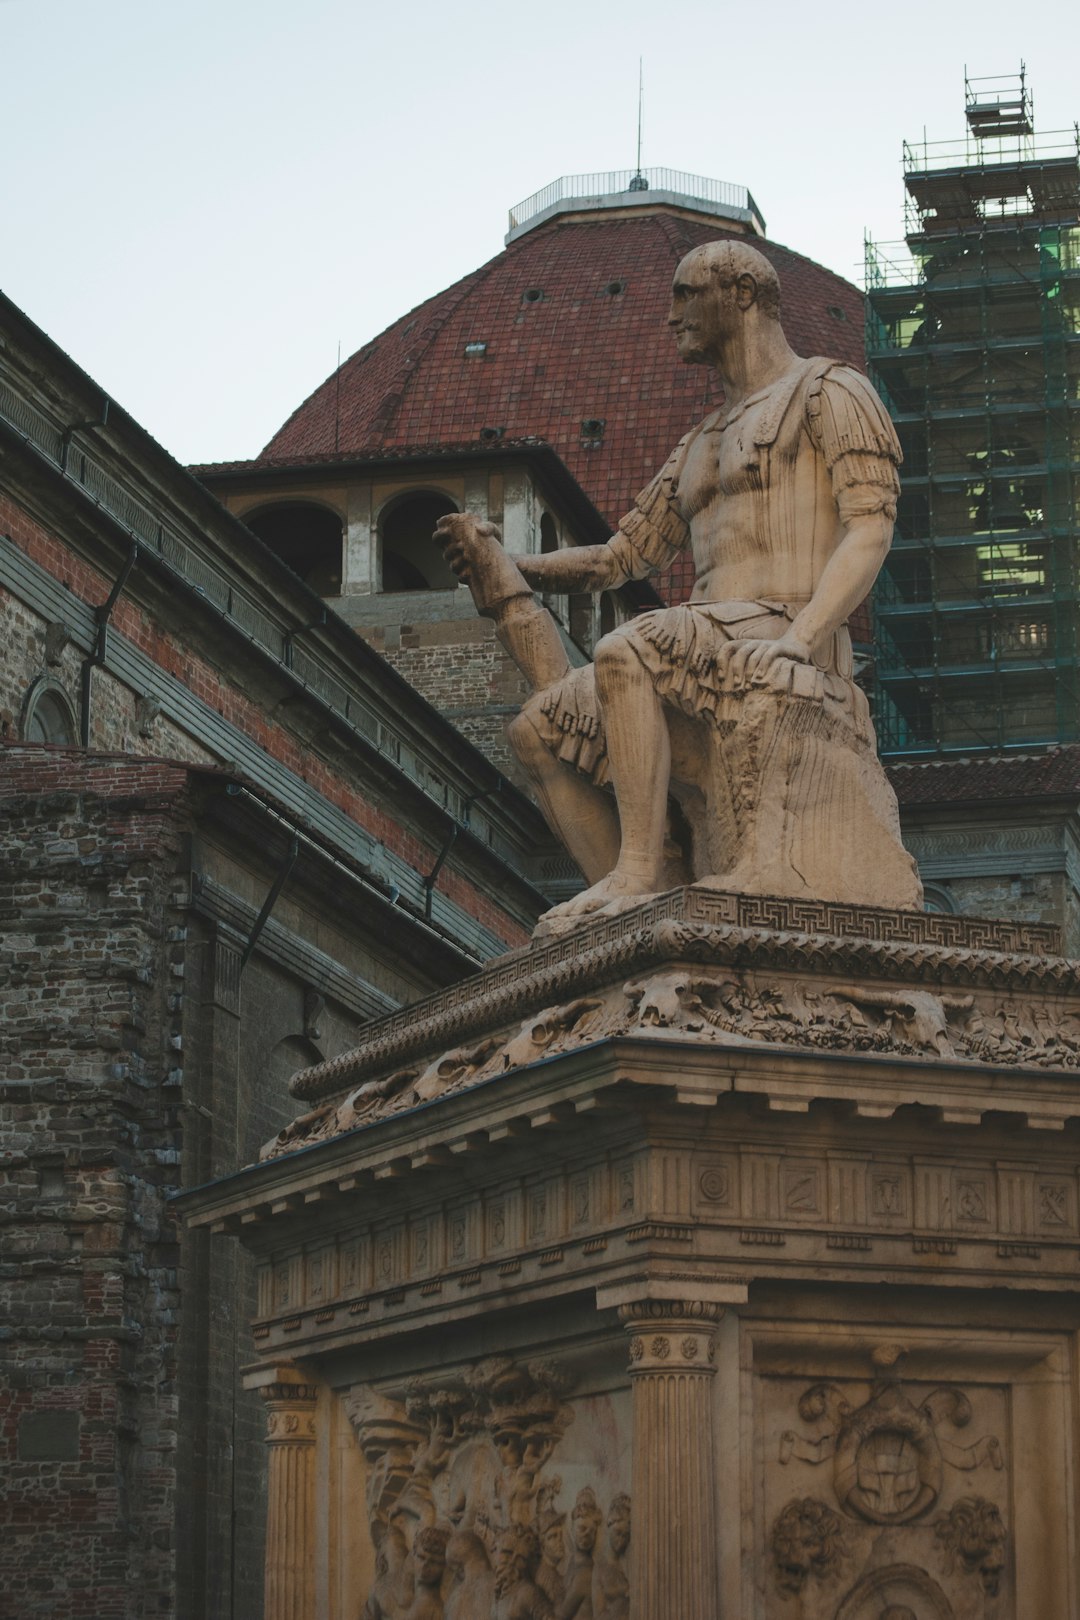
{"x":290,"y":1510}
{"x":673,"y":1568}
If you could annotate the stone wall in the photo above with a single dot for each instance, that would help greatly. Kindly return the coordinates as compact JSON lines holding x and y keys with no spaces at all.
{"x":93,"y":1139}
{"x":136,"y":1059}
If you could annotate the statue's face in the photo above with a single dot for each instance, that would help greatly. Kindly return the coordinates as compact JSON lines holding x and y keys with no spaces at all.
{"x":429,"y":1567}
{"x":703,"y":314}
{"x":508,"y":1562}
{"x":583,"y":1530}
{"x":553,"y":1543}
{"x":508,"y":1446}
{"x":538,"y":1448}
{"x":619,"y":1535}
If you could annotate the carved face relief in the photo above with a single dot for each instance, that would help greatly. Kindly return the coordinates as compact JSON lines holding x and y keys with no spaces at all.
{"x":807,"y":1539}
{"x":619,"y":1534}
{"x":553,"y":1542}
{"x":508,"y":1444}
{"x":973,"y":1535}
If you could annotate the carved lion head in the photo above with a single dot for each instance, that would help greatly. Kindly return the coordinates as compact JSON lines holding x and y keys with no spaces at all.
{"x":807,"y":1540}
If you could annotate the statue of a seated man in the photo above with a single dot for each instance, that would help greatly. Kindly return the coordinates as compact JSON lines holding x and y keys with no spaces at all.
{"x":723,"y":741}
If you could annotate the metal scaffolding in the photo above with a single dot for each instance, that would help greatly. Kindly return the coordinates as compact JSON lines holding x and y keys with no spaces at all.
{"x":973,"y":341}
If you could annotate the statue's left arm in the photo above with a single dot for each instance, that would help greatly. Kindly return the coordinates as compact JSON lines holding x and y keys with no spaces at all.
{"x":858,"y":443}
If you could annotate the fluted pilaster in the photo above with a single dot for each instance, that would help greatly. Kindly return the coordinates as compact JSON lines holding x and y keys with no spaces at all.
{"x":290,"y":1508}
{"x":673,"y":1550}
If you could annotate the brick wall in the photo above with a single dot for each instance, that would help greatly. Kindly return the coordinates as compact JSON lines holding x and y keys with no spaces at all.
{"x":463,"y":671}
{"x":115,"y":723}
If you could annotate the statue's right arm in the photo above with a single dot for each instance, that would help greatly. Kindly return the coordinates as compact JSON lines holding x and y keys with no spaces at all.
{"x":647,"y":541}
{"x":581,"y":568}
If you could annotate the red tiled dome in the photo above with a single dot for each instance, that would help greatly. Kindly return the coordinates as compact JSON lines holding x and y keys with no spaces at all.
{"x":579,"y":351}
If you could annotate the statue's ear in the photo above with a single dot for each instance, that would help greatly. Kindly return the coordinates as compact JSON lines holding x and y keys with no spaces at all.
{"x":746,"y":290}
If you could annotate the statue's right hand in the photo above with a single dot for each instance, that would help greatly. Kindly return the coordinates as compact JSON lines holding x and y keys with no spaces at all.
{"x":463,"y":537}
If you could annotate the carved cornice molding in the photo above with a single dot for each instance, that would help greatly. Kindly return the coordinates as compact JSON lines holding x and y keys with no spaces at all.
{"x":717,"y":930}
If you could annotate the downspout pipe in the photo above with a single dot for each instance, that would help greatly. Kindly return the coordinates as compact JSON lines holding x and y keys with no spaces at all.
{"x":271,"y":901}
{"x":448,"y":844}
{"x":96,"y":660}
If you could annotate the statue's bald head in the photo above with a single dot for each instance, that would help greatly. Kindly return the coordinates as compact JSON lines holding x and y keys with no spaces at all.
{"x":727,"y":263}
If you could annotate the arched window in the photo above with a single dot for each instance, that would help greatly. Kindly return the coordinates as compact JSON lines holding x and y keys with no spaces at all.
{"x":937,"y":898}
{"x":411,"y":561}
{"x":49,"y":717}
{"x":307,"y":537}
{"x":549,"y":533}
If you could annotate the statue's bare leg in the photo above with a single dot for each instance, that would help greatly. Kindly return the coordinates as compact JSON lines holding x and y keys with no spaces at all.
{"x":639,"y":756}
{"x":581,"y":816}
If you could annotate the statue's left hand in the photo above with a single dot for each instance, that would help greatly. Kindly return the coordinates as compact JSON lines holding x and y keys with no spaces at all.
{"x":465,"y":540}
{"x":745,"y":662}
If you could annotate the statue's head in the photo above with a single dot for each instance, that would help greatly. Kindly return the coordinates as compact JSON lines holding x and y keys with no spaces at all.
{"x":515,"y":1556}
{"x":552,"y":1531}
{"x":585,"y":1520}
{"x":618,"y":1522}
{"x":429,"y":1551}
{"x":717,"y":288}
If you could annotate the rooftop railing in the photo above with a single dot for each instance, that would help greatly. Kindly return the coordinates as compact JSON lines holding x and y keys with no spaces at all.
{"x":598,"y":188}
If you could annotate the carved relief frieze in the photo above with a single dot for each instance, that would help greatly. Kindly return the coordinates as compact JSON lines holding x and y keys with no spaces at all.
{"x":724,"y":1006}
{"x":889,"y":1500}
{"x":470,"y":1512}
{"x":860,"y":942}
{"x":717,"y":1182}
{"x":354,"y":1265}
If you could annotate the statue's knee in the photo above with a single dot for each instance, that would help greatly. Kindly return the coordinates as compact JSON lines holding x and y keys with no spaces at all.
{"x":526,"y":741}
{"x":618,"y":666}
{"x":616,"y":651}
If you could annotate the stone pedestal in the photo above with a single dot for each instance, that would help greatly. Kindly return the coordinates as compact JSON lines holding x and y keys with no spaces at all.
{"x":858,"y":1128}
{"x":290,"y":1507}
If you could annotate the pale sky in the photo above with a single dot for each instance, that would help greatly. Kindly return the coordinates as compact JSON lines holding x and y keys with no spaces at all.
{"x":199,"y":200}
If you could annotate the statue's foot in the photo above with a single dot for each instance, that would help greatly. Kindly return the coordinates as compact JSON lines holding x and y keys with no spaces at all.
{"x":614,"y":893}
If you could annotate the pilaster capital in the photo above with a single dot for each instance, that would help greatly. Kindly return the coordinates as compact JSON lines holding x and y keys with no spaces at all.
{"x":662,"y":1312}
{"x":671,"y":1335}
{"x":290,"y":1397}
